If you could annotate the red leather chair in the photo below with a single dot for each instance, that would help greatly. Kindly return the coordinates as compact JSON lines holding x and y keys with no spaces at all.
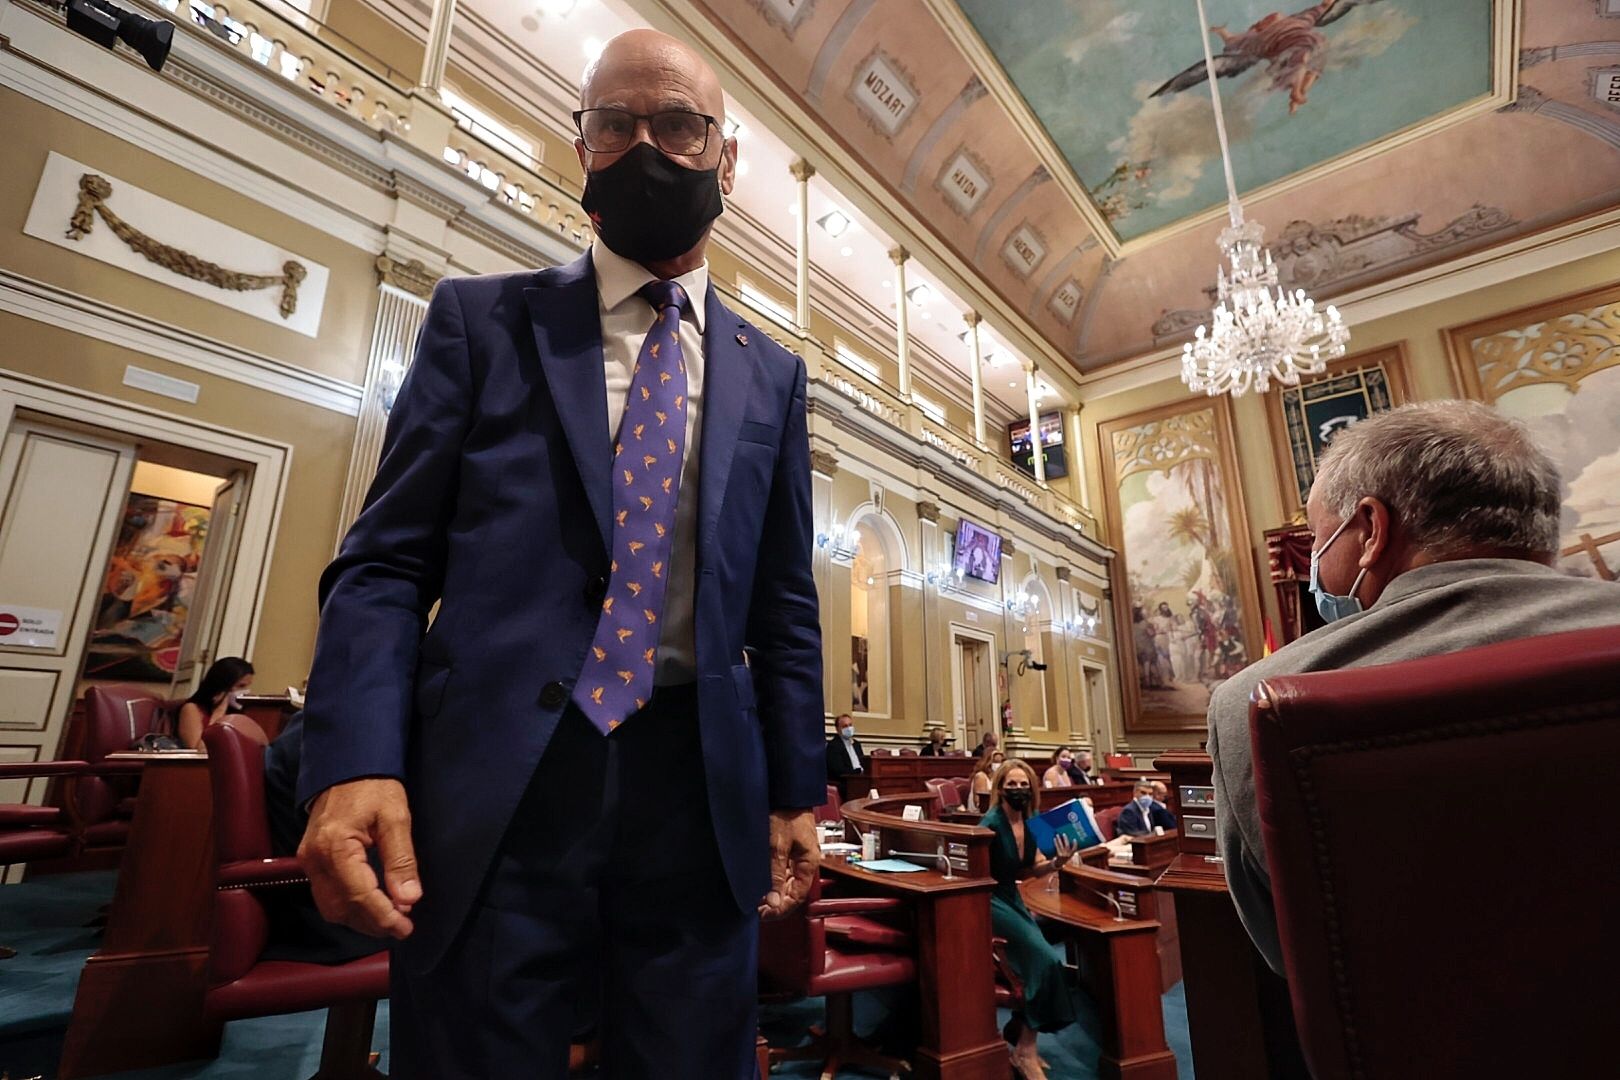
{"x":799,"y":958}
{"x":832,"y":809}
{"x":102,"y":803}
{"x":1108,"y":821}
{"x":29,"y":832}
{"x":1437,"y":837}
{"x":946,"y":791}
{"x":240,"y":984}
{"x":881,"y":752}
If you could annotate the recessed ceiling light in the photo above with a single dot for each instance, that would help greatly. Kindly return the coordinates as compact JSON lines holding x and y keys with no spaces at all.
{"x":593,"y":48}
{"x":846,"y":251}
{"x":557,"y":9}
{"x":733,"y":128}
{"x":836,"y":223}
{"x":1012,"y":384}
{"x":793,"y":209}
{"x":888,"y":284}
{"x":920,"y":293}
{"x":926,"y":314}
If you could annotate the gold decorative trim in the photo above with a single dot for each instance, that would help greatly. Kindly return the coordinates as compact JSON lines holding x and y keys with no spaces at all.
{"x":957,"y":26}
{"x":928,"y":511}
{"x":1559,"y":341}
{"x":94,"y":191}
{"x":1064,"y":573}
{"x":414,"y":277}
{"x":823,"y":462}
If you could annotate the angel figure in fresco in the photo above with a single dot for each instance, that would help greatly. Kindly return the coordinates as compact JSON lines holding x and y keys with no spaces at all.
{"x":1293,"y":47}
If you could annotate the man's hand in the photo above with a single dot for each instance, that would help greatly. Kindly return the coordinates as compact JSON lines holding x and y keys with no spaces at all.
{"x":795,"y":855}
{"x":344,"y":822}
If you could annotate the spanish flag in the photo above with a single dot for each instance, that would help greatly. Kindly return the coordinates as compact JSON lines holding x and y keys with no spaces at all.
{"x":1271,"y":641}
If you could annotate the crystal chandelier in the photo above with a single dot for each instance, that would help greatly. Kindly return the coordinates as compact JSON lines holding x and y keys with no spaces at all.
{"x":1258,"y":333}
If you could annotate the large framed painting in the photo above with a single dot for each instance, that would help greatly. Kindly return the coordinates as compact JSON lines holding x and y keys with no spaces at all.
{"x":1305,"y":419}
{"x":147,"y":594}
{"x":1185,"y":596}
{"x":1556,"y":366}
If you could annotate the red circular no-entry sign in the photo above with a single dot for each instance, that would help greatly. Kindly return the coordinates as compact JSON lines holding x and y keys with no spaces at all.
{"x":8,"y":624}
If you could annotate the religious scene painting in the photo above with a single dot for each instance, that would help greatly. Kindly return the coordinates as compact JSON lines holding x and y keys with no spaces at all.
{"x":1301,"y":84}
{"x":147,"y":594}
{"x":1188,"y":605}
{"x":1556,"y":367}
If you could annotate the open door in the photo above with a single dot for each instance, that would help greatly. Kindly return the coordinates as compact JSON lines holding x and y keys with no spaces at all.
{"x":200,"y":638}
{"x":62,"y":495}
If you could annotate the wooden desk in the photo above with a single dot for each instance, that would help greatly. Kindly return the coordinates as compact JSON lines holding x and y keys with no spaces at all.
{"x":892,"y":772}
{"x":140,"y":998}
{"x":1102,"y":795}
{"x":951,"y":916}
{"x":1238,"y":1013}
{"x":1119,"y":958}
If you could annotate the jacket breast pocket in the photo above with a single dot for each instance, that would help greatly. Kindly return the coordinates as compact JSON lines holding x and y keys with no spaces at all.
{"x":762,"y":434}
{"x":431,"y":680}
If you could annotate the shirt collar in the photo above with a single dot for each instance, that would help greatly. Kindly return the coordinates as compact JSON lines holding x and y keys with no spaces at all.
{"x":618,"y":279}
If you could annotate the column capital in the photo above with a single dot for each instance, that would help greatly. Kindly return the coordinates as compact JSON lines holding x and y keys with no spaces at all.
{"x":823,"y":462}
{"x":928,"y":510}
{"x":413,"y":275}
{"x":802,"y":170}
{"x":971,"y":318}
{"x":1028,"y":365}
{"x":899,"y":255}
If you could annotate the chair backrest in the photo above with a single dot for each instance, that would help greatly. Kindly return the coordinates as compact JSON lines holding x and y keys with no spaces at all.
{"x":831,"y":810}
{"x":945,"y":791}
{"x":1434,"y":920}
{"x":241,"y":926}
{"x":1108,"y":821}
{"x":1119,"y":761}
{"x":908,"y":752}
{"x":115,"y":716}
{"x":881,"y":752}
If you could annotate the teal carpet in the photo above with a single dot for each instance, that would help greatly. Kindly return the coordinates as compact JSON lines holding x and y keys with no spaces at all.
{"x":45,"y":920}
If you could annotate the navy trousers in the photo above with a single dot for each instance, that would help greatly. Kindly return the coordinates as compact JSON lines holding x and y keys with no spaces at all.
{"x":607,"y":906}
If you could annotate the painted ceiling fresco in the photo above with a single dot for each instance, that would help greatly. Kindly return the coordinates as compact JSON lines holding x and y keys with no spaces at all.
{"x":1120,"y":87}
{"x":895,"y":84}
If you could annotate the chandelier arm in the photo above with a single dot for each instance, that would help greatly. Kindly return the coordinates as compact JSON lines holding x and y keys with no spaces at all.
{"x":1234,"y":209}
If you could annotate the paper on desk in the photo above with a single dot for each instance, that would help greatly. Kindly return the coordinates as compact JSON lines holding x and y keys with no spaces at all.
{"x":840,"y":848}
{"x":891,"y":866}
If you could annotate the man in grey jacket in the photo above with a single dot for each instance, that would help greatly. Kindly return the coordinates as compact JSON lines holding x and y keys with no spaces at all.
{"x":1436,"y":530}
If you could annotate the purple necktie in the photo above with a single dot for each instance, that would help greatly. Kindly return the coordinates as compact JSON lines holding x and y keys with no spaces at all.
{"x":618,"y":676}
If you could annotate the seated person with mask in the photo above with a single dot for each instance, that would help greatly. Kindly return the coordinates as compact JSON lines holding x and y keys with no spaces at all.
{"x":844,"y":754}
{"x":1437,"y":530}
{"x":1143,"y":813}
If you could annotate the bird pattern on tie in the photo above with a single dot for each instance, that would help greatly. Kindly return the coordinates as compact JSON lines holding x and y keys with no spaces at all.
{"x":617,"y":678}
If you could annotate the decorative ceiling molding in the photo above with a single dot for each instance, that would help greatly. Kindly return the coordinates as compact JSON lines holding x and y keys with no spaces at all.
{"x":1505,"y":16}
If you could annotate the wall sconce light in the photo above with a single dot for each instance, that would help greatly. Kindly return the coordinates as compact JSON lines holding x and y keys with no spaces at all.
{"x":945,"y":577}
{"x":838,"y":541}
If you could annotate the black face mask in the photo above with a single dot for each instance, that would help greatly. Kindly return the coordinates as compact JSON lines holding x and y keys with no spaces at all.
{"x":1017,"y":798}
{"x":649,"y":209}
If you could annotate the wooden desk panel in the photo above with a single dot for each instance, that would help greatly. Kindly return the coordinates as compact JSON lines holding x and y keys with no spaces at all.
{"x":1121,"y":964}
{"x":1238,"y":1013}
{"x":140,"y":998}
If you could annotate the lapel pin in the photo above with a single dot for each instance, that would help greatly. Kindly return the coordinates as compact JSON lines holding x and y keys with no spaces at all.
{"x":742,"y":339}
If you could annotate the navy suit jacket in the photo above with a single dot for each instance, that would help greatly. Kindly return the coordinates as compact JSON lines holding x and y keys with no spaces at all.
{"x":1131,"y":821}
{"x":493,"y":499}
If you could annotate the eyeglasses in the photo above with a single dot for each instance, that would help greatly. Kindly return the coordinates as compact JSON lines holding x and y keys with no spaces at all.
{"x":675,"y":131}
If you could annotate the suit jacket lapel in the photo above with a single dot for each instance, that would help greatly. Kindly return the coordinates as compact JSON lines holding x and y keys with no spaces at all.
{"x":568,"y":333}
{"x":728,"y":375}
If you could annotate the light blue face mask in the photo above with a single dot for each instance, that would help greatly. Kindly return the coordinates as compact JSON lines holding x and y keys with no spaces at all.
{"x":1332,"y":607}
{"x":847,"y":732}
{"x":1145,"y":802}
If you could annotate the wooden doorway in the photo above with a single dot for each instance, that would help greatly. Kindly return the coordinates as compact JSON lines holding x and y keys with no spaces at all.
{"x":972,"y":686}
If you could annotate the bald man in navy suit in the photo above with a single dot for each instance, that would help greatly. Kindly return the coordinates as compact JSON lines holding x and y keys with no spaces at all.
{"x":597,"y":767}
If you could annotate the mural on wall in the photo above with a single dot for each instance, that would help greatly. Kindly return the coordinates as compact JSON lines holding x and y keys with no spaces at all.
{"x":1119,"y":86}
{"x":1556,"y":366}
{"x":1189,"y":604}
{"x":147,"y":594}
{"x":1306,"y":418}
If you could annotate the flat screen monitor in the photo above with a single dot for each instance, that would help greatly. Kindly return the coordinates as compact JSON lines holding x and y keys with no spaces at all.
{"x":978,"y":552}
{"x":1023,"y":454}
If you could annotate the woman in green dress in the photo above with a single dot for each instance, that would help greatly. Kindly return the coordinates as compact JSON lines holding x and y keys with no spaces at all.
{"x":1048,"y":1002}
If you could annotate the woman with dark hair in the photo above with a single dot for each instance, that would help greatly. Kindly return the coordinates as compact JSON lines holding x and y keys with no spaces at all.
{"x":1049,"y":1004}
{"x":228,"y":678}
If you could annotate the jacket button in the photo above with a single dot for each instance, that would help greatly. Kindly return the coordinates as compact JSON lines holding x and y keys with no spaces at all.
{"x":554,"y":695}
{"x":595,"y":590}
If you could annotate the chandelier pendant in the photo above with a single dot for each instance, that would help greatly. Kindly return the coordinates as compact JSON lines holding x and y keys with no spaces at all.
{"x":1259,"y":333}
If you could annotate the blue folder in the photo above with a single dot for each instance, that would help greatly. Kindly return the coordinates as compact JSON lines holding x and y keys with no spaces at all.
{"x":1072,"y":820}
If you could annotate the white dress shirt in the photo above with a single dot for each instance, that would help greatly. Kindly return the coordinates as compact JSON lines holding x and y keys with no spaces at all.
{"x":626,"y":318}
